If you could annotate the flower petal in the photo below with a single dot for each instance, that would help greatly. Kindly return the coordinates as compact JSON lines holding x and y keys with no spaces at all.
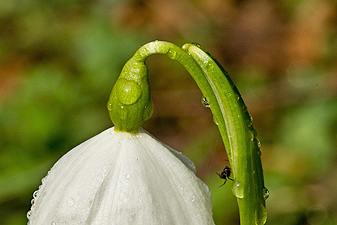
{"x":122,"y":178}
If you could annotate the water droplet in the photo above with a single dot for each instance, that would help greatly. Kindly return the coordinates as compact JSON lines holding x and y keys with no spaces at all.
{"x":127,"y":176}
{"x":215,"y":121}
{"x":209,"y":66}
{"x":132,"y":217}
{"x":171,"y":54}
{"x":148,"y":111}
{"x":244,"y":108}
{"x":123,"y":113}
{"x":128,"y":91}
{"x":35,"y":193}
{"x":261,"y":217}
{"x":237,"y":189}
{"x":258,"y":143}
{"x":70,"y":201}
{"x":204,"y":102}
{"x":249,"y":121}
{"x":109,"y":106}
{"x":28,"y":214}
{"x":229,"y":94}
{"x":105,"y":172}
{"x":258,"y":153}
{"x":193,"y":198}
{"x":196,"y":44}
{"x":265,"y":193}
{"x":250,"y":135}
{"x":131,"y":137}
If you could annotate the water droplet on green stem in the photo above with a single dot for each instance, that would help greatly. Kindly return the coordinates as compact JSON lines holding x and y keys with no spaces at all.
{"x":237,"y":189}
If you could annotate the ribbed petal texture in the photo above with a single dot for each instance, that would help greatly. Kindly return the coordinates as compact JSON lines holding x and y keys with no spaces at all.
{"x":122,"y":178}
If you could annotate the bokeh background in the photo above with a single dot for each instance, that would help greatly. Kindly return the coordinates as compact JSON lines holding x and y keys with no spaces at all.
{"x":59,"y":60}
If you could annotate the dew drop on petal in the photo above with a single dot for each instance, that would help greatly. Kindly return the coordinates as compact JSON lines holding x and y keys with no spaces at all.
{"x":70,"y":201}
{"x":105,"y":172}
{"x":237,"y":189}
{"x":28,"y":214}
{"x":131,"y":137}
{"x":193,"y":198}
{"x":35,"y":193}
{"x":127,"y":176}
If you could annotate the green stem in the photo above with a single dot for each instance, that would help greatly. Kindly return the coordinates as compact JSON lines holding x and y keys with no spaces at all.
{"x":242,"y":145}
{"x":130,"y":105}
{"x":128,"y":115}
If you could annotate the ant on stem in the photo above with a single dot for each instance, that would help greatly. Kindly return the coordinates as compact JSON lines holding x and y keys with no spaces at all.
{"x":225,"y":175}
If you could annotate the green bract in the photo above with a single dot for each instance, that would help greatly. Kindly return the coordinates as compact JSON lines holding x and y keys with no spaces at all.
{"x":130,"y":104}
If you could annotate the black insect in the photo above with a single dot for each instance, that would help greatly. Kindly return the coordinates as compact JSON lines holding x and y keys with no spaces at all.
{"x":225,"y":175}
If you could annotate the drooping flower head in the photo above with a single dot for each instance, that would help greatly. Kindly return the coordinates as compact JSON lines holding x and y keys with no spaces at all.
{"x":122,"y":178}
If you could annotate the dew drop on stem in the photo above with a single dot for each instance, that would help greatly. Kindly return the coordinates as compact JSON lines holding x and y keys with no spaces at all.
{"x":204,"y":102}
{"x":215,"y":121}
{"x":265,"y":193}
{"x":237,"y":189}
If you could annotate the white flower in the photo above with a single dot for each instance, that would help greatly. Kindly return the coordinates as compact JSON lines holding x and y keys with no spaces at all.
{"x":121,"y":178}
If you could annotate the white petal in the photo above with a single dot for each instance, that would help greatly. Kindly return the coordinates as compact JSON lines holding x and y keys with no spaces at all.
{"x":122,"y":178}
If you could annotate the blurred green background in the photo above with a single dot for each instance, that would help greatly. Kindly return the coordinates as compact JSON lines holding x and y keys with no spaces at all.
{"x":59,"y":60}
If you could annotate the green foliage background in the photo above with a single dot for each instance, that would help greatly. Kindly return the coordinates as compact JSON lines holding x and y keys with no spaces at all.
{"x":60,"y":59}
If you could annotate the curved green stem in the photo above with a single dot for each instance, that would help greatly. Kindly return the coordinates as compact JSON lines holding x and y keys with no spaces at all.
{"x":242,"y":145}
{"x":130,"y":105}
{"x":129,"y":113}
